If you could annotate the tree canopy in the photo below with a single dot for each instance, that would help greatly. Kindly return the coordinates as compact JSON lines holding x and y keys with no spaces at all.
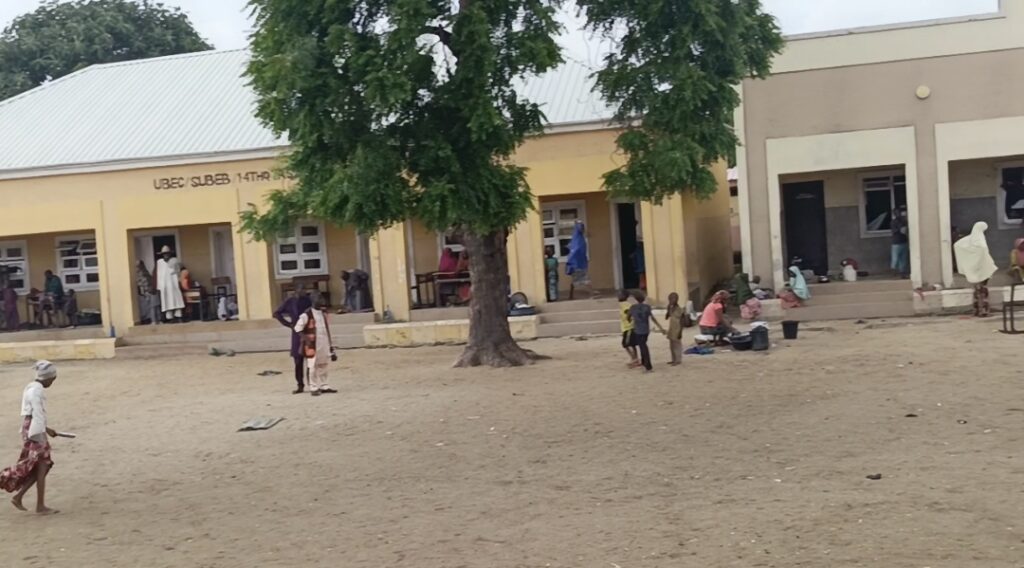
{"x":401,"y":109}
{"x":61,"y":38}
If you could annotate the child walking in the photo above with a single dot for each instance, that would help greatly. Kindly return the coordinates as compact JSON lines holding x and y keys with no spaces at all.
{"x":675,"y":314}
{"x":316,"y":347}
{"x":641,"y":315}
{"x":551,"y":272}
{"x":626,"y":325}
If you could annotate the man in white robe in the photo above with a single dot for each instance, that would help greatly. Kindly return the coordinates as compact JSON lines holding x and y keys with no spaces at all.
{"x":168,"y":270}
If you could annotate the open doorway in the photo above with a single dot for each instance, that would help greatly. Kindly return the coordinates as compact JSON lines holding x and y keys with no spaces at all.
{"x":630,"y":245}
{"x":149,"y":245}
{"x":806,"y":232}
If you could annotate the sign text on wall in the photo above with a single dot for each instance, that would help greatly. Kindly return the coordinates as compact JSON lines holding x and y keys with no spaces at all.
{"x":214,"y":180}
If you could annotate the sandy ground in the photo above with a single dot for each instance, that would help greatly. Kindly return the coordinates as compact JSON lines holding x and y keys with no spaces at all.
{"x":735,"y":459}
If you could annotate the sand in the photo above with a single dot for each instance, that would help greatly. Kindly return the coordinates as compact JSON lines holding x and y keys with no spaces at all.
{"x":735,"y":459}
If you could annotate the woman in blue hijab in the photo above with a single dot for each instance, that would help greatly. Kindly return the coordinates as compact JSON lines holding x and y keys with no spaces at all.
{"x":577,"y":264}
{"x":797,"y":291}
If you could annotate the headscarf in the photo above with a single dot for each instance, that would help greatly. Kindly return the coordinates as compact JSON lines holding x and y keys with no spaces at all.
{"x":1018,"y":252}
{"x":577,"y":260}
{"x":743,"y":290}
{"x":798,"y":284}
{"x":973,"y":259}
{"x":45,"y":370}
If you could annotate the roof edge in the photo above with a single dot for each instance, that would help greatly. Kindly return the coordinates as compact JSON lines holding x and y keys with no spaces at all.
{"x":879,"y":28}
{"x":144,"y":163}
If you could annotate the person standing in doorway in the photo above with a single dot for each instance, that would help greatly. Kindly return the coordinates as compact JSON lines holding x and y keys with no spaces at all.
{"x":900,"y":243}
{"x":641,"y":315}
{"x":168,"y":274}
{"x":35,"y":462}
{"x":288,"y":313}
{"x":551,"y":272}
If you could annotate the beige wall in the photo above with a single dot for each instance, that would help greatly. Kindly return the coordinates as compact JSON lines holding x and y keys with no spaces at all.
{"x":42,"y":256}
{"x":880,"y":96}
{"x":113,"y":204}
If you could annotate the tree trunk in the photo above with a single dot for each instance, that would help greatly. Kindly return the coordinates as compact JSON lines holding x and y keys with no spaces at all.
{"x":490,"y":340}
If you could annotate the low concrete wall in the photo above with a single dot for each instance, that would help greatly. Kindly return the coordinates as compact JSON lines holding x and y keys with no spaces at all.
{"x":78,"y":349}
{"x":450,"y":332}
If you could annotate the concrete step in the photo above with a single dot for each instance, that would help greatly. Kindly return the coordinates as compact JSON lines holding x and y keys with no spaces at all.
{"x":860,"y":287}
{"x":578,"y":328}
{"x":572,"y":317}
{"x":852,"y":311}
{"x":861,"y":298}
{"x":268,"y":345}
{"x":608,"y":303}
{"x":174,"y":334}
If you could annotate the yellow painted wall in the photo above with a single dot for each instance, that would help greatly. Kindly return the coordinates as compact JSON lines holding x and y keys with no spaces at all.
{"x":571,"y":163}
{"x":114,"y":203}
{"x":426,"y":255}
{"x":708,"y":244}
{"x":42,"y":256}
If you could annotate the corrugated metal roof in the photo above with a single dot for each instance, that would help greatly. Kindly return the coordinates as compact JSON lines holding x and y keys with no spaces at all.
{"x":188,"y":105}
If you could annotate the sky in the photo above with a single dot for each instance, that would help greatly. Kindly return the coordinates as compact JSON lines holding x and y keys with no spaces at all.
{"x":225,"y":23}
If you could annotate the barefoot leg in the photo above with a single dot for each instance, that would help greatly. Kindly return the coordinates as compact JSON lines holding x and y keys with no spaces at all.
{"x":41,"y":470}
{"x":16,"y":500}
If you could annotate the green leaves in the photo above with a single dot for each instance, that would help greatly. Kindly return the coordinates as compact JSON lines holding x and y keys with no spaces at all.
{"x":60,"y":38}
{"x":401,"y":108}
{"x":673,"y":81}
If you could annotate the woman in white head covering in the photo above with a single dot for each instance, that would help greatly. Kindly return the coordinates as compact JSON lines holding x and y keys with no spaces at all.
{"x":35,"y":462}
{"x":974,"y":261}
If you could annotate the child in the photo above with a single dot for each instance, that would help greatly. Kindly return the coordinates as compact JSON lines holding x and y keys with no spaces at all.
{"x":674,"y":314}
{"x":71,"y":309}
{"x":11,"y":318}
{"x":316,"y":347}
{"x":642,"y":316}
{"x":626,"y":325}
{"x":551,"y":271}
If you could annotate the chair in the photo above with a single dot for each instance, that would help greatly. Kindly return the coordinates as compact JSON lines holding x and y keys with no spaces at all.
{"x":425,"y":290}
{"x":319,"y":284}
{"x":1009,"y":325}
{"x":223,"y":288}
{"x":195,"y":297}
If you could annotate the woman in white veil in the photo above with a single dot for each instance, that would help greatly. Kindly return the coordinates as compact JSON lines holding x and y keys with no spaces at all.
{"x":974,"y":261}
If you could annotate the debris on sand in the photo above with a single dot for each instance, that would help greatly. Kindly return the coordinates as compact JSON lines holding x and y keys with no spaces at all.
{"x":875,"y":476}
{"x":911,"y":415}
{"x":268,"y":373}
{"x":260,"y":423}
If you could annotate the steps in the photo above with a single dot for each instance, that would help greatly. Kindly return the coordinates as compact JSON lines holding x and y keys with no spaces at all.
{"x":579,"y":317}
{"x":253,"y":336}
{"x":856,"y":300}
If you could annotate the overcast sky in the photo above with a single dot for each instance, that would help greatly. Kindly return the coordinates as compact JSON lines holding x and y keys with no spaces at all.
{"x":225,"y":22}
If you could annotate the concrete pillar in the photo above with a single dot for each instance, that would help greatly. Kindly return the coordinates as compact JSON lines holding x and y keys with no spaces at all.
{"x":665,"y":249}
{"x":526,"y":257}
{"x":390,"y":272}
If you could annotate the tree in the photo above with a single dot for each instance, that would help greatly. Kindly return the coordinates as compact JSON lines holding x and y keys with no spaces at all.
{"x":400,"y":109}
{"x":61,"y":38}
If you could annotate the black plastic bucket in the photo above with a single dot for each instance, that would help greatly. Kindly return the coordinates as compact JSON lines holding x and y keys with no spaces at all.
{"x":759,"y":339}
{"x":790,"y":329}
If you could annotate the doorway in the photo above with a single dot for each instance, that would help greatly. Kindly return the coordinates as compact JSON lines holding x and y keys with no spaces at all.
{"x":222,"y":252}
{"x":148,"y":246}
{"x":806,"y":232}
{"x":629,"y":243}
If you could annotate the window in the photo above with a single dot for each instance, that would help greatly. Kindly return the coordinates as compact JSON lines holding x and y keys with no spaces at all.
{"x":78,"y":265}
{"x":303,"y":253}
{"x":1011,"y":195}
{"x":559,"y":222}
{"x":883,"y":194}
{"x":14,"y":261}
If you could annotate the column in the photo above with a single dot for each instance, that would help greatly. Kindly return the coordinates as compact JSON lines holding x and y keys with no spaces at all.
{"x":665,"y":249}
{"x":390,"y":272}
{"x":526,"y":257}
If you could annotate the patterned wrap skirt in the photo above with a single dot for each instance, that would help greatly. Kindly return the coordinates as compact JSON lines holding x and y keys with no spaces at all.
{"x":32,"y":454}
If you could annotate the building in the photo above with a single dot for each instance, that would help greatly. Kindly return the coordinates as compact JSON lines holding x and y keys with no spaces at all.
{"x":854,"y":123}
{"x":101,"y":169}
